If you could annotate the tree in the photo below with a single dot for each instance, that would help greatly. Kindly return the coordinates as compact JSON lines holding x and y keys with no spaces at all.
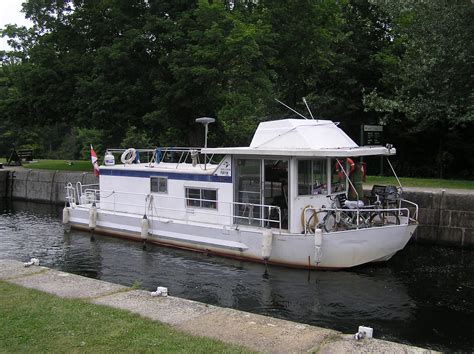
{"x":217,"y":67}
{"x":428,"y":89}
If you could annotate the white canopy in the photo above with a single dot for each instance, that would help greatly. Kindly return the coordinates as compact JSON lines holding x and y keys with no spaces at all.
{"x":299,"y":137}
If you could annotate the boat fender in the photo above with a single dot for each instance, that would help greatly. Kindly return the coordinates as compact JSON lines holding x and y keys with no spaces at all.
{"x":158,"y":155}
{"x":93,"y":216}
{"x":318,"y":242}
{"x":65,"y":215}
{"x":194,"y":157}
{"x":109,"y":159}
{"x":145,"y":227}
{"x":267,"y":238}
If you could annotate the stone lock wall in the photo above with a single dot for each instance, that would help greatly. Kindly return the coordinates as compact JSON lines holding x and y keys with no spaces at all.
{"x":446,"y":217}
{"x":39,"y":185}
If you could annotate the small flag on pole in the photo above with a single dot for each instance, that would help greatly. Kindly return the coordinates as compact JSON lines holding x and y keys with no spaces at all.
{"x":94,"y":161}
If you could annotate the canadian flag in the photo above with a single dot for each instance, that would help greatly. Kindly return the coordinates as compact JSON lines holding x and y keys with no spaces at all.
{"x":94,"y":161}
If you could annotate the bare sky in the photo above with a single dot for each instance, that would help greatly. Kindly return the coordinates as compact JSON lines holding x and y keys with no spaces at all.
{"x":10,"y":14}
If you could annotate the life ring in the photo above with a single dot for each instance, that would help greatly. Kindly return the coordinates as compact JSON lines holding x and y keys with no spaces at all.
{"x":128,"y":156}
{"x":313,"y":218}
{"x":339,"y":171}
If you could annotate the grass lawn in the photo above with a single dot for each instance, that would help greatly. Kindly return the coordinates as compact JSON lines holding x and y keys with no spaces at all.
{"x":422,"y":182}
{"x":61,"y":165}
{"x":32,"y":321}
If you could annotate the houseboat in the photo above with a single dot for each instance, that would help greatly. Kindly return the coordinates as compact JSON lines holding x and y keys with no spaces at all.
{"x":282,"y":200}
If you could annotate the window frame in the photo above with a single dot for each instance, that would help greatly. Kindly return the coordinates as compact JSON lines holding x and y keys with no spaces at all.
{"x":312,"y":161}
{"x":213,"y":202}
{"x":158,"y":179}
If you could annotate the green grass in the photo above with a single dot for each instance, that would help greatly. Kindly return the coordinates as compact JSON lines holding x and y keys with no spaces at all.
{"x":61,"y":165}
{"x":32,"y":321}
{"x":422,"y":182}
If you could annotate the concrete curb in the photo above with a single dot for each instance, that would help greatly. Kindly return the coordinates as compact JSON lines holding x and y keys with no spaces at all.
{"x":256,"y":332}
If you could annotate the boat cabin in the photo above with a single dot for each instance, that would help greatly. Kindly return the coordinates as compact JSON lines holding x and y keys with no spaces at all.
{"x":290,"y":164}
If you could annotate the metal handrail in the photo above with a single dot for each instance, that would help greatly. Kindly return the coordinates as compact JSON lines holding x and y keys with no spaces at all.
{"x":357,"y":211}
{"x":99,"y":195}
{"x":413,"y":204}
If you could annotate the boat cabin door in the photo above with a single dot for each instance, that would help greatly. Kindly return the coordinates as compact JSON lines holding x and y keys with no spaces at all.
{"x":261,"y":182}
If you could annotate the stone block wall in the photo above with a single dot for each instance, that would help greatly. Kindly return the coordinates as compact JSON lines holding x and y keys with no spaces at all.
{"x":446,"y":217}
{"x":3,"y":183}
{"x":43,"y":186}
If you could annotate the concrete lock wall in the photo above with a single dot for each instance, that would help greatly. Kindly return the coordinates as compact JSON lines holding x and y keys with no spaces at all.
{"x":43,"y":186}
{"x":446,"y":217}
{"x":3,"y":183}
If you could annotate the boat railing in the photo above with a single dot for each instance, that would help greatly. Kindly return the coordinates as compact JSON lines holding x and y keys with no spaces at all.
{"x":71,"y":194}
{"x":87,"y":193}
{"x":224,"y":209}
{"x":176,"y":155}
{"x":410,"y":205}
{"x":359,"y":217}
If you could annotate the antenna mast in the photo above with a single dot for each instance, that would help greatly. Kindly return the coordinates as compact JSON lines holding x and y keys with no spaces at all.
{"x":309,"y":110}
{"x":205,"y":121}
{"x":290,"y":109}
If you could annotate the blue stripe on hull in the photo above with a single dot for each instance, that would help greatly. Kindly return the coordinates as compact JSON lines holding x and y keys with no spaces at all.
{"x":169,"y":175}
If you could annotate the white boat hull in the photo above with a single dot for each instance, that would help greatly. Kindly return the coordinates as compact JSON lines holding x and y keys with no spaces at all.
{"x":342,"y":249}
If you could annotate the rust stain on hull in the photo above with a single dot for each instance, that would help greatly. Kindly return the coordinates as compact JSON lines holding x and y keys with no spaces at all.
{"x":136,"y":237}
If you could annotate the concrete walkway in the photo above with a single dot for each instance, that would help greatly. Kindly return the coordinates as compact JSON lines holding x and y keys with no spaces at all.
{"x":256,"y":332}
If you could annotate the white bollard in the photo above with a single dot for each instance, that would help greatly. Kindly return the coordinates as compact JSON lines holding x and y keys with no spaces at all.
{"x":364,"y":332}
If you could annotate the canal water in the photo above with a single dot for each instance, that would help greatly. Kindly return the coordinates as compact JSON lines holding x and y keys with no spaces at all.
{"x":423,"y":296}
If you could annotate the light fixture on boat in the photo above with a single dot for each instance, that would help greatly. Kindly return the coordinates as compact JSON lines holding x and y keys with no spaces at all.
{"x":205,"y":121}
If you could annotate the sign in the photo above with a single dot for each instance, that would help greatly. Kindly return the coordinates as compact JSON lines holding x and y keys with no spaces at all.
{"x":372,"y":134}
{"x":225,"y":167}
{"x":373,"y":128}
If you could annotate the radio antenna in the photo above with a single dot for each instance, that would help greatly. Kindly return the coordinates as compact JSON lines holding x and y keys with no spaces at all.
{"x":280,"y":102}
{"x":309,"y":110}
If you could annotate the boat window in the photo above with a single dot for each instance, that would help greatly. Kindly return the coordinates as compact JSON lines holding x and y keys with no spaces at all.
{"x":201,"y":198}
{"x":312,"y":177}
{"x":339,"y":183}
{"x":159,"y":184}
{"x":248,"y":185}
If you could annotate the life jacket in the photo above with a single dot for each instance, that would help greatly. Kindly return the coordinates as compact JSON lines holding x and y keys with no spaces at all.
{"x":339,"y":171}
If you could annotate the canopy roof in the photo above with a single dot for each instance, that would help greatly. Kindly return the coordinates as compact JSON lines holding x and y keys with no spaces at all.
{"x":299,"y":137}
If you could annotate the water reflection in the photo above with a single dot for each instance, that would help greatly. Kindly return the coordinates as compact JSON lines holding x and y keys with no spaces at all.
{"x":423,"y":296}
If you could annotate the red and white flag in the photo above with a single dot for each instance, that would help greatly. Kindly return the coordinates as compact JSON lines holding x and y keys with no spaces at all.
{"x":94,"y":161}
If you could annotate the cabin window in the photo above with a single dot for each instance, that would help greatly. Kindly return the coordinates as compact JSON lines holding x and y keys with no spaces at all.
{"x":159,"y":184}
{"x":201,"y":198}
{"x":312,"y":177}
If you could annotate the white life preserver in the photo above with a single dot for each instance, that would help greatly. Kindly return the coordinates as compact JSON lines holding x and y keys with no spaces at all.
{"x":128,"y":156}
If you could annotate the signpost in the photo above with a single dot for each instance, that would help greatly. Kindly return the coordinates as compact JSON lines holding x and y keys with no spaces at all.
{"x":372,"y":135}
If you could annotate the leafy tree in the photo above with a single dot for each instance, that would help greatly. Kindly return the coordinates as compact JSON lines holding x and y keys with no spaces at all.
{"x":216,"y":67}
{"x":137,"y":138}
{"x":428,"y":90}
{"x":304,"y":37}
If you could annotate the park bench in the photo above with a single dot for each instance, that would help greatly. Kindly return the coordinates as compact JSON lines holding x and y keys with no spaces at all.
{"x":25,"y":154}
{"x":17,"y":156}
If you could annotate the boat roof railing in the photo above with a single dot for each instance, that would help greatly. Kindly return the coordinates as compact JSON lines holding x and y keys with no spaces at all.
{"x":174,"y":154}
